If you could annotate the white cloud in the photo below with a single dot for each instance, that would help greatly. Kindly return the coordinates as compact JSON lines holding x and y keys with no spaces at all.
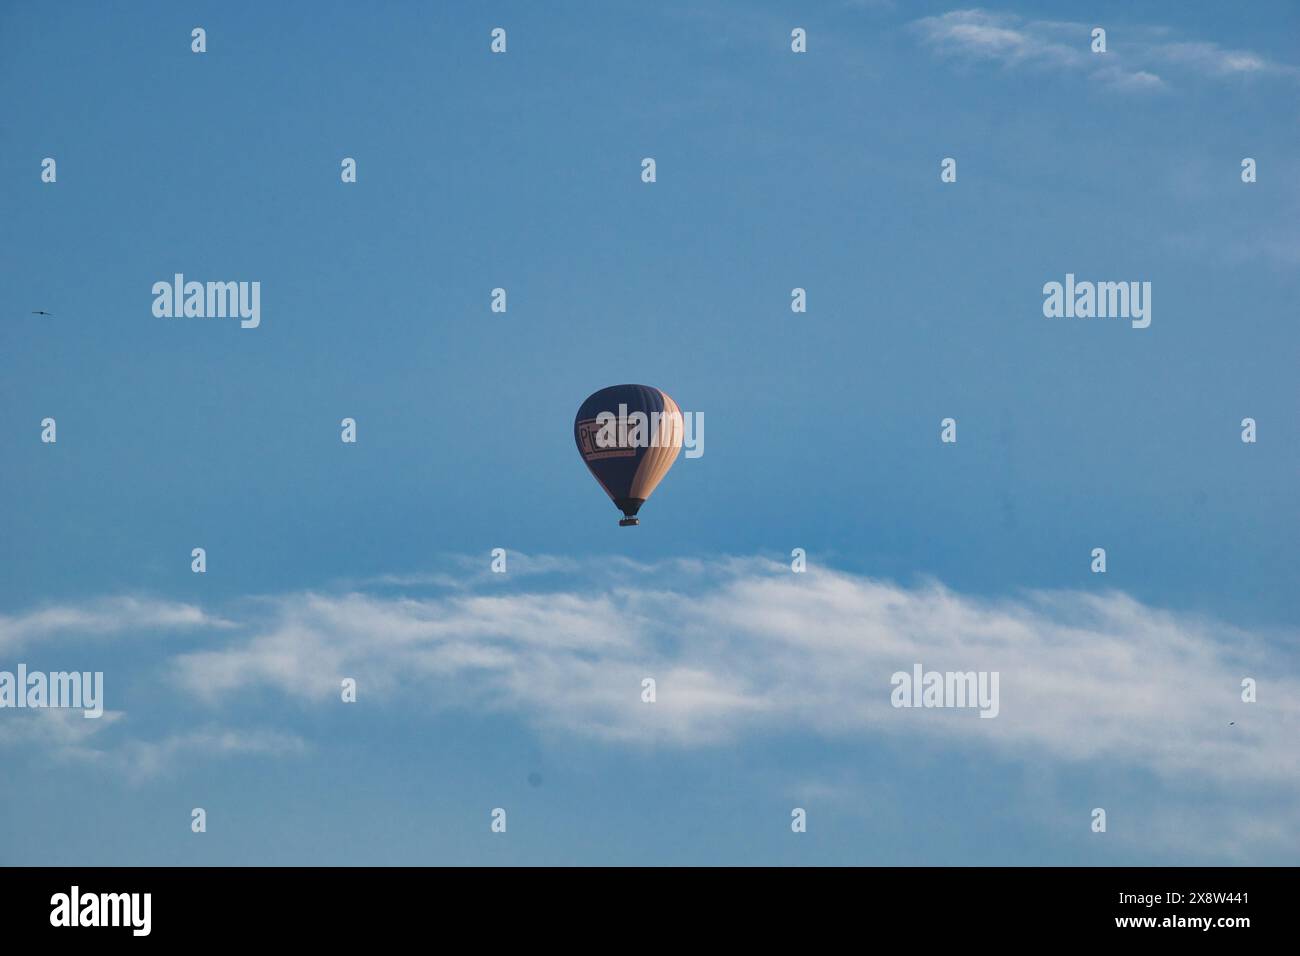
{"x":66,"y":736}
{"x":1004,"y":38}
{"x":147,"y":758}
{"x":745,"y":647}
{"x":1212,"y":59}
{"x":473,"y":570}
{"x":742,"y":650}
{"x":56,"y":731}
{"x":1133,"y":81}
{"x":109,"y":616}
{"x":1135,"y":59}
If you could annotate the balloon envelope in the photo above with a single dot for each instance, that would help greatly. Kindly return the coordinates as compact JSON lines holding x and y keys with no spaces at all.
{"x":629,"y":436}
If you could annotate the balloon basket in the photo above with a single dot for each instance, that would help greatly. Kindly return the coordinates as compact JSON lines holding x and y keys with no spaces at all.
{"x":628,"y":522}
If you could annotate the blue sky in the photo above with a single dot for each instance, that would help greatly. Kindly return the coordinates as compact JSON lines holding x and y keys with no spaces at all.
{"x":775,"y":171}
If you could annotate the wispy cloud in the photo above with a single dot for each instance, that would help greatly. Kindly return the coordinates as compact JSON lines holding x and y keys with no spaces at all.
{"x":470,"y":571}
{"x":1003,"y":38}
{"x":1134,"y":81}
{"x":64,"y":736}
{"x":57,"y":732}
{"x":146,"y":758}
{"x":119,"y":615}
{"x":1138,"y":59}
{"x":1214,"y":60}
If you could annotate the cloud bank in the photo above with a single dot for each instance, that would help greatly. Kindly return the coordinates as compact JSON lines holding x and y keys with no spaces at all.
{"x":742,"y":651}
{"x":746,"y":647}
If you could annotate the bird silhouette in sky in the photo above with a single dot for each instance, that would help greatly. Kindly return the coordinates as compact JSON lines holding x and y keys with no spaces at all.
{"x":38,"y":312}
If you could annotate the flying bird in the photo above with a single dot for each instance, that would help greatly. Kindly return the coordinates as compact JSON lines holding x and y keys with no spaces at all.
{"x":38,"y":312}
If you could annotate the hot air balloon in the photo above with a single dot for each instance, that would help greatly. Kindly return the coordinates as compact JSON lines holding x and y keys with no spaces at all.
{"x":629,"y":436}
